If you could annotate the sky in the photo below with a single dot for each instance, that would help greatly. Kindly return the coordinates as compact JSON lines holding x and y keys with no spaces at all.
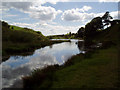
{"x":53,"y":17}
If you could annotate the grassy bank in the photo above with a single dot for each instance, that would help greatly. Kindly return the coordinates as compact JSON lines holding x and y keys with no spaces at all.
{"x":16,"y":39}
{"x":21,"y":41}
{"x":99,"y":71}
{"x":96,"y":69}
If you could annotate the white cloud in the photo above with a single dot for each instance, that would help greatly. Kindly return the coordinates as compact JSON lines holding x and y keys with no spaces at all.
{"x":109,"y":0}
{"x":51,"y":1}
{"x":80,"y":14}
{"x":35,"y":10}
{"x":3,"y":9}
{"x":40,"y":1}
{"x":21,"y":24}
{"x":50,"y":28}
{"x":17,"y":5}
{"x":77,"y":14}
{"x":72,"y":15}
{"x":55,"y":1}
{"x":10,"y":15}
{"x":85,"y":8}
{"x":43,"y":13}
{"x":115,"y":14}
{"x":57,"y":29}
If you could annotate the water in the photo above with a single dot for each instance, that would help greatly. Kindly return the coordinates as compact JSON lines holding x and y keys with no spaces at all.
{"x":18,"y":66}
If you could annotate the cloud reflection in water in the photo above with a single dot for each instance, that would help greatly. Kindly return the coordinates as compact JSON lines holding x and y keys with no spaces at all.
{"x":14,"y":68}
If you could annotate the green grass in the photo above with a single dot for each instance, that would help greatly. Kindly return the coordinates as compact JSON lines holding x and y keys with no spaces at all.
{"x":15,"y":27}
{"x":96,"y":69}
{"x":21,"y":41}
{"x":99,"y":71}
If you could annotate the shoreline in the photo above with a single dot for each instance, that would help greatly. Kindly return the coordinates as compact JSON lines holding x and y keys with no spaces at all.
{"x":29,"y":50}
{"x":46,"y":77}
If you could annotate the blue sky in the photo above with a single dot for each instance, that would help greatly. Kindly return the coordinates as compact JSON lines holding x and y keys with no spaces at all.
{"x":55,"y":18}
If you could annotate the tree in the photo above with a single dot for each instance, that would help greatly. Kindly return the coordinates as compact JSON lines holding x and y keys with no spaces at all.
{"x":97,"y":23}
{"x":91,"y":30}
{"x":81,"y":32}
{"x":92,"y":27}
{"x":106,"y":19}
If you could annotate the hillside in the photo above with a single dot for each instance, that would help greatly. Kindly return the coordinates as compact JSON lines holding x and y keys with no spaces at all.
{"x":21,"y":41}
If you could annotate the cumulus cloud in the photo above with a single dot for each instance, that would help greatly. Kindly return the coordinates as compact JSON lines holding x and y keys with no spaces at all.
{"x":43,"y":13}
{"x":85,"y":8}
{"x":52,"y":28}
{"x":17,"y":5}
{"x":52,"y":1}
{"x":57,"y":29}
{"x":22,"y":24}
{"x":71,"y":15}
{"x":40,"y":1}
{"x":115,"y":14}
{"x":77,"y":14}
{"x":80,"y":14}
{"x":55,"y":1}
{"x":35,"y":10}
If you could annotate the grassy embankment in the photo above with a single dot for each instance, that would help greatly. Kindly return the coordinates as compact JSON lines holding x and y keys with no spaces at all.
{"x":96,"y":69}
{"x":21,"y":41}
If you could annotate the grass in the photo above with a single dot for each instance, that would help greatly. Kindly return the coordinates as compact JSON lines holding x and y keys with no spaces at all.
{"x":96,"y":69}
{"x":19,"y":41}
{"x":39,"y":76}
{"x":99,"y":71}
{"x":15,"y":27}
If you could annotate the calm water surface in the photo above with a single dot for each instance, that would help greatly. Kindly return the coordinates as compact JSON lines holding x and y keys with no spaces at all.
{"x":17,"y":66}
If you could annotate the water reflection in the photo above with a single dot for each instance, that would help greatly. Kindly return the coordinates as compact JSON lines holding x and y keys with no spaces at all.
{"x":17,"y":66}
{"x":19,"y":54}
{"x":81,"y":46}
{"x":51,"y":46}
